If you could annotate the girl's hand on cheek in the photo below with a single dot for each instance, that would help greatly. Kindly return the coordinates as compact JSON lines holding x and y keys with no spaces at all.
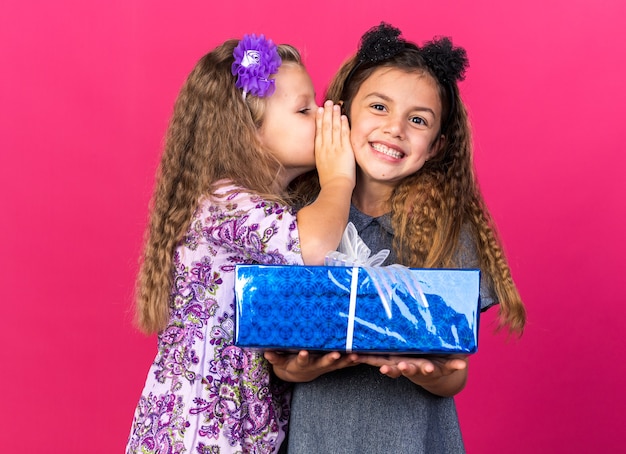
{"x":334,"y":157}
{"x":321,"y":223}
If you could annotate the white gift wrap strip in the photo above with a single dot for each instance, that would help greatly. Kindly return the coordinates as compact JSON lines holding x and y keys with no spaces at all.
{"x":378,"y":276}
{"x":352,"y":308}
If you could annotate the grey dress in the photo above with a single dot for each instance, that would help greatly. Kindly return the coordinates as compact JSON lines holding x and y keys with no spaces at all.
{"x":358,"y":410}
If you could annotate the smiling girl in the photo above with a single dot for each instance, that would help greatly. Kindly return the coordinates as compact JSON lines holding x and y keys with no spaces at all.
{"x":416,"y":194}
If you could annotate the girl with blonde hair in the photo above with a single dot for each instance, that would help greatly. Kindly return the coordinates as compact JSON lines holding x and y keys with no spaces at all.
{"x":244,"y":125}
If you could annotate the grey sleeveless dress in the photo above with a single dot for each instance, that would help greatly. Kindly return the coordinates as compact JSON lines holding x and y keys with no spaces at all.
{"x":358,"y":410}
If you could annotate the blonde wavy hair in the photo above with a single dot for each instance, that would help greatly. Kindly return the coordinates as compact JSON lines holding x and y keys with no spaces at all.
{"x":212,"y":136}
{"x":430,"y":207}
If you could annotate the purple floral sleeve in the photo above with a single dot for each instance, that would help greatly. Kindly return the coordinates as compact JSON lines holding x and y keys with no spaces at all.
{"x":203,"y":394}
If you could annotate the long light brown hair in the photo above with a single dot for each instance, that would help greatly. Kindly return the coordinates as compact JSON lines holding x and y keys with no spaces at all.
{"x":212,"y":136}
{"x":430,"y":207}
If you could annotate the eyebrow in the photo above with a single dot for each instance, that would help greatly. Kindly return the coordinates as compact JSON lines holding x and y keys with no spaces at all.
{"x":388,"y":99}
{"x":302,"y":97}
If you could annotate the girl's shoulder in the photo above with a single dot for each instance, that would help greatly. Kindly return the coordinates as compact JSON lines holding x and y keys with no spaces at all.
{"x":229,"y":200}
{"x":466,"y":252}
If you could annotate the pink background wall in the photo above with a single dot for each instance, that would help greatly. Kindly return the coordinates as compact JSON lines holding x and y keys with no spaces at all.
{"x":85,"y":95}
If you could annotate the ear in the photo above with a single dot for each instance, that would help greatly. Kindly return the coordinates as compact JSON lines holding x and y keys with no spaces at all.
{"x":437,"y":146}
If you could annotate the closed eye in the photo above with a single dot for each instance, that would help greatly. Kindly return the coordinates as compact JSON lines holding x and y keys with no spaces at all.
{"x":304,"y":111}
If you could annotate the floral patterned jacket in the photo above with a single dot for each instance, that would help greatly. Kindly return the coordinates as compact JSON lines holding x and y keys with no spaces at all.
{"x":203,"y":394}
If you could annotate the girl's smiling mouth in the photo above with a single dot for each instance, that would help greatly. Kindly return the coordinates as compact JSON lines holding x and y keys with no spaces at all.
{"x":384,"y":149}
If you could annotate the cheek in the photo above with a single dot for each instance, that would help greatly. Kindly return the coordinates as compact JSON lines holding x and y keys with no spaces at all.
{"x":433,"y":149}
{"x":424,"y":147}
{"x":362,"y":127}
{"x":306,"y":126}
{"x":307,"y":136}
{"x":357,"y":135}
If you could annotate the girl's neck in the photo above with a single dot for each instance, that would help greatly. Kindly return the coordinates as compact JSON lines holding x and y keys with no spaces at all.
{"x":372,"y":199}
{"x":285,"y":176}
{"x":282,"y":180}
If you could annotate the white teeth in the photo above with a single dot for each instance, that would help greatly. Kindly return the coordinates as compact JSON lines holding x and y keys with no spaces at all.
{"x":386,"y":150}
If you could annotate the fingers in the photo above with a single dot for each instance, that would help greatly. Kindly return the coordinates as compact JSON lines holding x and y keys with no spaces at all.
{"x":456,"y":364}
{"x":333,"y":361}
{"x":408,"y":368}
{"x":337,"y":126}
{"x":376,"y":360}
{"x":334,"y":157}
{"x":328,"y":359}
{"x":324,"y":125}
{"x":325,"y":362}
{"x":449,"y":364}
{"x":271,"y":357}
{"x":332,"y":128}
{"x":345,"y":129}
{"x":279,"y":359}
{"x":304,"y":366}
{"x":396,"y":366}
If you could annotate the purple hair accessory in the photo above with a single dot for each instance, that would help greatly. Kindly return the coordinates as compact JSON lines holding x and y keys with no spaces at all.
{"x":256,"y":58}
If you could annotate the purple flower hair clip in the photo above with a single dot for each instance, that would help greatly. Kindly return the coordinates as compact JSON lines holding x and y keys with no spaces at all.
{"x":256,"y":58}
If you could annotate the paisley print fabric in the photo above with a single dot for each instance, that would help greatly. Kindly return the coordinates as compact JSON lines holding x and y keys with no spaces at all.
{"x":203,"y":394}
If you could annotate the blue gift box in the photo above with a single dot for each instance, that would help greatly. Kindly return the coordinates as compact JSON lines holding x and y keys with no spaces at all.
{"x":367,"y":310}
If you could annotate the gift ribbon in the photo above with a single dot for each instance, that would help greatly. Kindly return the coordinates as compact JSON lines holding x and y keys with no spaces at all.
{"x":352,"y":308}
{"x":385,"y":292}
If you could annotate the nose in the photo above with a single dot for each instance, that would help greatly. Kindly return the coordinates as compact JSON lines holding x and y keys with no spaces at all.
{"x":394,"y":126}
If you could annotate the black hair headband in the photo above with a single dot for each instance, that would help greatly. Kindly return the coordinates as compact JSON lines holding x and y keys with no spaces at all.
{"x":377,"y":45}
{"x":447,"y":63}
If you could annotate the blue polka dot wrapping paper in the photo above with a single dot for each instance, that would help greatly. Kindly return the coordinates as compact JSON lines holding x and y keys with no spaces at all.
{"x":360,"y":309}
